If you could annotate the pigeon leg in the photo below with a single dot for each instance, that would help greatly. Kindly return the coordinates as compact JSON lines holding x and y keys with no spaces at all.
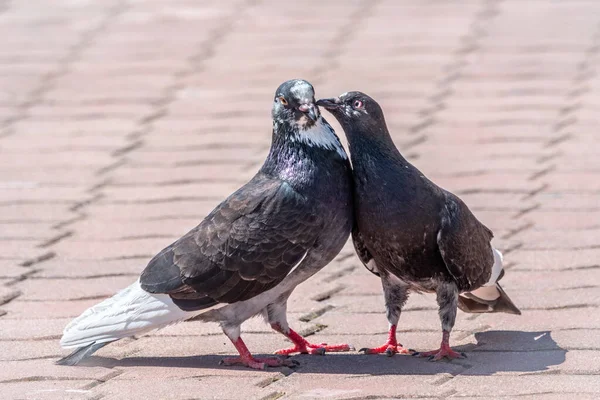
{"x":396,"y":294}
{"x":247,"y":359}
{"x":390,"y":347}
{"x":276,"y":313}
{"x":444,"y":351}
{"x":302,"y":346}
{"x":447,"y":299}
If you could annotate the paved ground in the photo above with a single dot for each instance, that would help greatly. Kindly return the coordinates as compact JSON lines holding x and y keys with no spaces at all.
{"x":122,"y":123}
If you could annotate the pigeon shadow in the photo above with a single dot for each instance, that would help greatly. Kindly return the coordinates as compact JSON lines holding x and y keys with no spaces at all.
{"x":495,"y":351}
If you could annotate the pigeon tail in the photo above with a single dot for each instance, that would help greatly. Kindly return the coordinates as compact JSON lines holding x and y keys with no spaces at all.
{"x":132,"y":311}
{"x":490,"y":297}
{"x":80,"y":354}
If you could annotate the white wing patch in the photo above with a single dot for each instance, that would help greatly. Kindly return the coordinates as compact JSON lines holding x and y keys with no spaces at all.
{"x":496,"y":268}
{"x":321,"y":134}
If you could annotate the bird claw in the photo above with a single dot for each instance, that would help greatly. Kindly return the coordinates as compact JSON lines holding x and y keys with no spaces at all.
{"x":388,"y":349}
{"x":437,"y":355}
{"x":318,"y":351}
{"x":315,"y":349}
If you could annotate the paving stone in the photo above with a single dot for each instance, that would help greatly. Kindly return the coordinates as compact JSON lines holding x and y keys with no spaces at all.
{"x":556,"y":259}
{"x":40,"y":213}
{"x":28,"y":329}
{"x":66,"y":289}
{"x":201,"y":191}
{"x":48,"y":390}
{"x":550,"y":280}
{"x":61,"y":267}
{"x":342,"y":386}
{"x":506,"y":386}
{"x":10,"y":269}
{"x":47,"y":370}
{"x":14,"y":350}
{"x":191,"y":209}
{"x":95,"y":250}
{"x":19,"y":309}
{"x":131,"y":232}
{"x":207,"y":387}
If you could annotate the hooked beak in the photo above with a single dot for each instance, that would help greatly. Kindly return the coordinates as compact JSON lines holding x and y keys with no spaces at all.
{"x":310,"y":110}
{"x":330,"y":104}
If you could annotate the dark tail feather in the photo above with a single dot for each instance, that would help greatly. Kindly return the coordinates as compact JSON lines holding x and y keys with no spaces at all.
{"x":470,"y":303}
{"x":81,"y":353}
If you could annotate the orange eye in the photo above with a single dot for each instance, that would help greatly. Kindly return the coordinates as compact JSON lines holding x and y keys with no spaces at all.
{"x":357,"y":104}
{"x":283,"y":100}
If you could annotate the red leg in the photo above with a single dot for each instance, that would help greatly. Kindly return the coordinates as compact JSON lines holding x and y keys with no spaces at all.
{"x":444,"y":351}
{"x":390,"y":347}
{"x":301,"y":345}
{"x":248,"y":360}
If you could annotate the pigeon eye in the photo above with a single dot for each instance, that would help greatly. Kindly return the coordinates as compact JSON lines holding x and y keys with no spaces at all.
{"x":357,"y":104}
{"x":283,"y":100}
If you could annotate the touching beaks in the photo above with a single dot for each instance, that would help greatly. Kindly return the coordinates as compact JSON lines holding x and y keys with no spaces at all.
{"x":310,"y":111}
{"x":329,"y":104}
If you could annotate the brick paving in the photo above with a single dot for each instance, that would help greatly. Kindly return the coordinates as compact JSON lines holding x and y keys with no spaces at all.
{"x":122,"y":123}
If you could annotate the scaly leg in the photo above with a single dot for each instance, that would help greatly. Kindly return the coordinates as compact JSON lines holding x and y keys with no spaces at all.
{"x":302,"y":346}
{"x":396,"y":294}
{"x":278,"y":320}
{"x":246,"y":358}
{"x":447,"y":299}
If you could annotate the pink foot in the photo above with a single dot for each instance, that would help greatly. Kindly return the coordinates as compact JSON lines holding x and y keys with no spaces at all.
{"x":247,"y":359}
{"x":437,"y":355}
{"x":308,"y":348}
{"x":390,"y":347}
{"x":302,"y":346}
{"x":444,"y":351}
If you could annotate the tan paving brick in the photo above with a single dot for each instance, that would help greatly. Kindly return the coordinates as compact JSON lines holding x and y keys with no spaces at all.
{"x":177,"y":208}
{"x":61,"y":267}
{"x":49,"y":308}
{"x":206,"y":387}
{"x":48,"y":390}
{"x":556,"y":259}
{"x":46,"y":370}
{"x":524,"y":385}
{"x":66,"y":289}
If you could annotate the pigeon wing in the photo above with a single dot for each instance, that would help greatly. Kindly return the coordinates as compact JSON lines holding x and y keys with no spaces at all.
{"x":245,"y":246}
{"x":362,"y":252}
{"x":464,"y":244}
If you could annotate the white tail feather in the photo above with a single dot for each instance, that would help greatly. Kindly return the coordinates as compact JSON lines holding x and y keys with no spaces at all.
{"x":496,"y":268}
{"x":489,"y":291}
{"x":132,"y":311}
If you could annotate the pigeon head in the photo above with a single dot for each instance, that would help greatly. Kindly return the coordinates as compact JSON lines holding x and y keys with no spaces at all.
{"x":360,"y":116}
{"x":294,"y":104}
{"x":353,"y":108}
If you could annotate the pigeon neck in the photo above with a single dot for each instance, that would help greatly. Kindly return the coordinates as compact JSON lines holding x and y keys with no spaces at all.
{"x":294,"y":158}
{"x":372,"y":143}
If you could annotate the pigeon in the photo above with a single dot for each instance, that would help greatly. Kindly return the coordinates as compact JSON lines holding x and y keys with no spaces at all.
{"x":414,"y":235}
{"x":247,"y":256}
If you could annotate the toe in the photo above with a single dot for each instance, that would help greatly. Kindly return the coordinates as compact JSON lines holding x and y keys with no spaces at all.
{"x":320,"y":351}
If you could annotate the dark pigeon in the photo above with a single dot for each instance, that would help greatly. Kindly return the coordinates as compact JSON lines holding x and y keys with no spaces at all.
{"x":247,"y":256}
{"x":413,"y":234}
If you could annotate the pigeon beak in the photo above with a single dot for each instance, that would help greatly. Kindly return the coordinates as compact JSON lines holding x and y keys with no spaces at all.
{"x":330,"y":104}
{"x":310,"y":111}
